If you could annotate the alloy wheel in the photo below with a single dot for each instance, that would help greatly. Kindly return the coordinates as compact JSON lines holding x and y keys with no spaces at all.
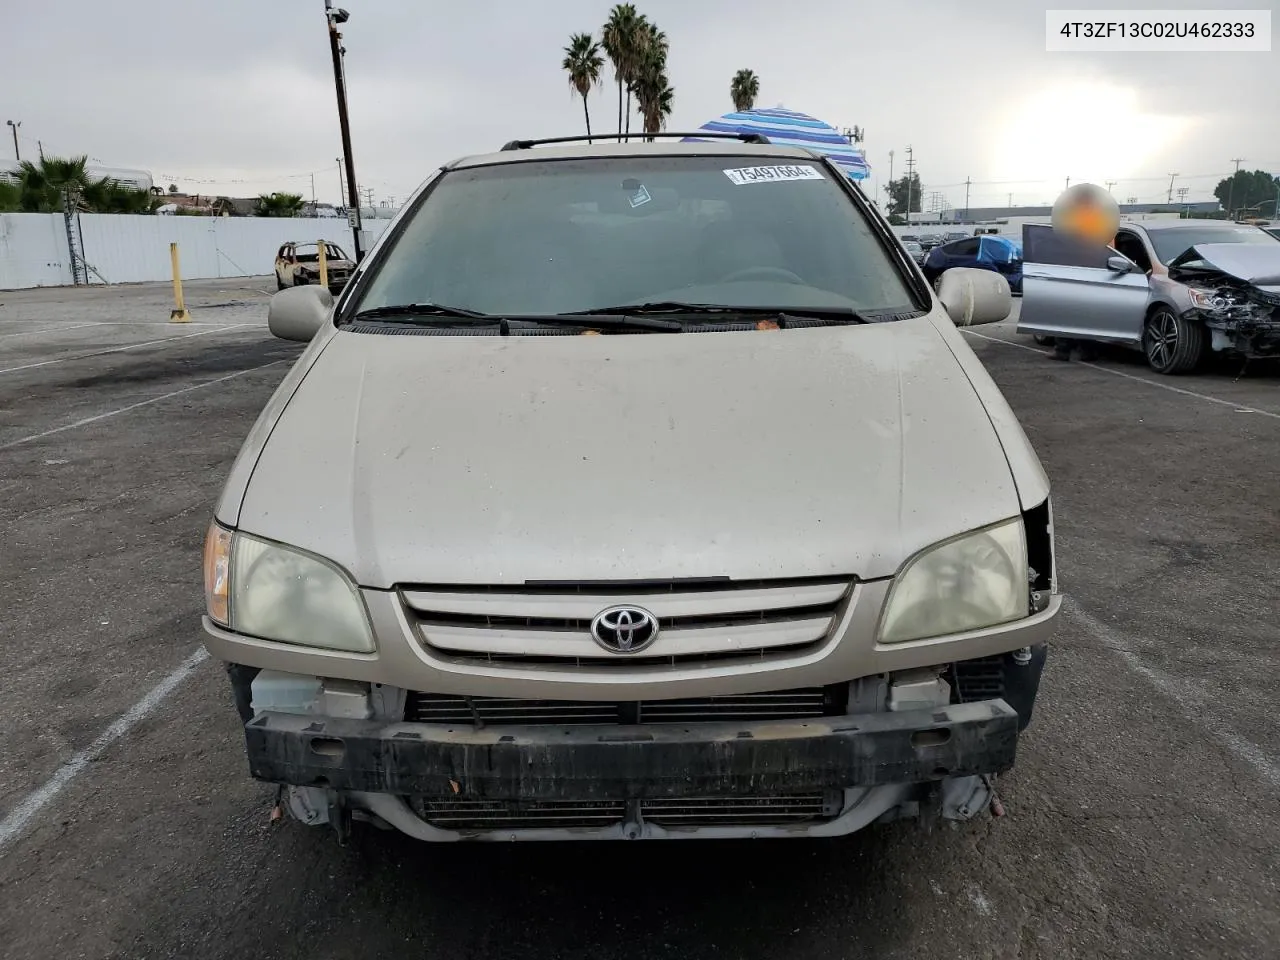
{"x":1162,"y":339}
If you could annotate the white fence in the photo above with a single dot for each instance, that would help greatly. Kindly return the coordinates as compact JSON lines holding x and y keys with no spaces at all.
{"x":131,"y":249}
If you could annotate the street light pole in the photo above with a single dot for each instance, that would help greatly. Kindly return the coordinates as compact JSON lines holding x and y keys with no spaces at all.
{"x":14,"y":126}
{"x":335,"y":16}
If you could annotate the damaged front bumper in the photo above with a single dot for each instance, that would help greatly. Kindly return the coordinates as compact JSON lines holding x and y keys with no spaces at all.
{"x":1234,"y":296}
{"x":1239,"y":324}
{"x":818,"y":777}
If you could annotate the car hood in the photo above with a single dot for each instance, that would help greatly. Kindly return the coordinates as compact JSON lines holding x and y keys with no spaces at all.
{"x":1257,"y":264}
{"x":500,"y":460}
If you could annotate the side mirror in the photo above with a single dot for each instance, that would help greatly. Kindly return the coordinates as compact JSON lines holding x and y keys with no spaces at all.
{"x":972,"y":296}
{"x":1120,"y":264}
{"x":298,"y":313}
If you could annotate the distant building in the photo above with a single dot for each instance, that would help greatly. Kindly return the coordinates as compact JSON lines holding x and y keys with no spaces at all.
{"x":133,"y":179}
{"x":985,"y":214}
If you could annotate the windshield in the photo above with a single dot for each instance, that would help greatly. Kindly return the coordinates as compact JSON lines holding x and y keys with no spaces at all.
{"x":1170,"y":243}
{"x":564,"y":236}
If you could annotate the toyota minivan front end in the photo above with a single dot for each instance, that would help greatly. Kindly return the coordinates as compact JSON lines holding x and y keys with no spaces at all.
{"x":634,"y":491}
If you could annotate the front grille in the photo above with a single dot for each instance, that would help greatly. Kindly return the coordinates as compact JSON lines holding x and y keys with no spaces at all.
{"x":469,"y":815}
{"x":979,"y":679}
{"x":747,"y":707}
{"x":741,"y":811}
{"x":717,"y":620}
{"x":462,"y":814}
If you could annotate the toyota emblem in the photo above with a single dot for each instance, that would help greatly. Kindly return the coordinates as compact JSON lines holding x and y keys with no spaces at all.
{"x":624,"y":629}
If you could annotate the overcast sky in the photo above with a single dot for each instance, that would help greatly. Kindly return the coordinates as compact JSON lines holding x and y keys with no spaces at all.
{"x":236,"y":97}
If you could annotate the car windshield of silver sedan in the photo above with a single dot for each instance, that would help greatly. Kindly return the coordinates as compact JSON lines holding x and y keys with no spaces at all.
{"x":1171,"y":243}
{"x":556,"y":237}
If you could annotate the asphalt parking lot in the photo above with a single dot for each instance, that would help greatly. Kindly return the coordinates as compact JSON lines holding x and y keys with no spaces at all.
{"x":1143,"y":819}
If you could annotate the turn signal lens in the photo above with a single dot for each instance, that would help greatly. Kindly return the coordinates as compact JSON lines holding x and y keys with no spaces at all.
{"x":217,"y":567}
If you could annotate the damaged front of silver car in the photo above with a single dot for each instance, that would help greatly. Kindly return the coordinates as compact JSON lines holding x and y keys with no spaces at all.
{"x":1234,"y":290}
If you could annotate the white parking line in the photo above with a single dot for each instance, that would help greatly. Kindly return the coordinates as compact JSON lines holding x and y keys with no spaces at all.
{"x":126,"y":323}
{"x":34,"y":802}
{"x":57,"y":329}
{"x":134,"y":406}
{"x":1240,"y":407}
{"x":1189,"y":698}
{"x":130,"y":346}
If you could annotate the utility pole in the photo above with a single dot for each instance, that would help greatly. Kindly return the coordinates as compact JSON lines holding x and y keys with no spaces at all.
{"x":1231,"y":184}
{"x":40,"y":149}
{"x":334,"y":17}
{"x":889,"y":188}
{"x":911,"y":166}
{"x":967,"y":182}
{"x":1068,"y":186}
{"x":1172,"y":177}
{"x":1110,"y":184}
{"x":14,"y":125}
{"x":1010,"y":202}
{"x":1182,"y":199}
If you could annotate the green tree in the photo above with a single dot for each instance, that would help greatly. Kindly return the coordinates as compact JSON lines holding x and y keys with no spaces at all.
{"x":623,"y":37}
{"x":743,"y":90}
{"x":43,"y":186}
{"x":898,"y":191}
{"x":582,"y":61}
{"x":10,"y":197}
{"x":652,"y":88}
{"x":278,"y":205}
{"x":1248,"y":191}
{"x":108,"y":196}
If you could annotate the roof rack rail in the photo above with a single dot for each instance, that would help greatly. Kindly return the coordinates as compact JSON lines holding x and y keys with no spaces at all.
{"x":603,"y":138}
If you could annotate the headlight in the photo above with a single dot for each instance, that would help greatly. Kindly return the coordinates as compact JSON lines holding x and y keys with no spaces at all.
{"x":1201,"y":300}
{"x":273,"y":592}
{"x":975,"y":581}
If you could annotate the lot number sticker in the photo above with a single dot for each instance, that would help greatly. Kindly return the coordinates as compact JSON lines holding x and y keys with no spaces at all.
{"x":773,"y":174}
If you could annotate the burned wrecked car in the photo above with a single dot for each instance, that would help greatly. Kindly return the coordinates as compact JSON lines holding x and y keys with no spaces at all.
{"x":1179,"y":290}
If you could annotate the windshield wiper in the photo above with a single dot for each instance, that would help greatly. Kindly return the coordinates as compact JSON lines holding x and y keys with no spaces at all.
{"x":421,"y":310}
{"x":606,"y":321}
{"x":833,"y":315}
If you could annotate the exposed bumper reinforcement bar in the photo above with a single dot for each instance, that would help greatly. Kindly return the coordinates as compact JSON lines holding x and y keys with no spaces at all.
{"x":412,"y":759}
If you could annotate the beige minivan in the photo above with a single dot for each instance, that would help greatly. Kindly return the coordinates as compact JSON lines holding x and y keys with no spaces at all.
{"x":634,"y":491}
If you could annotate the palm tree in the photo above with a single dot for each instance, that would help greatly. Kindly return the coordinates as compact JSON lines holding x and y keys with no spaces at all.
{"x":622,"y":39}
{"x":582,"y":61}
{"x":10,"y":197}
{"x":744,"y":89}
{"x":43,"y":186}
{"x":654,"y":95}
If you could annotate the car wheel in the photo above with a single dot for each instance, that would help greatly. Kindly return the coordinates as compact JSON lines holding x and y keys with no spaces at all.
{"x":1043,"y":340}
{"x":1172,"y":343}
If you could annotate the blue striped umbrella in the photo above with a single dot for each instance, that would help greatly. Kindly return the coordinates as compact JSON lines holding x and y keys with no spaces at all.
{"x":790,"y":129}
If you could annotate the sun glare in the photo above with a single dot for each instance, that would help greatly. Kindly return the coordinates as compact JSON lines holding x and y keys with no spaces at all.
{"x":1082,"y":130}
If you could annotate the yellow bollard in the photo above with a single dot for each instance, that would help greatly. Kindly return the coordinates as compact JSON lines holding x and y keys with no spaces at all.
{"x":179,"y":312}
{"x":324,"y":265}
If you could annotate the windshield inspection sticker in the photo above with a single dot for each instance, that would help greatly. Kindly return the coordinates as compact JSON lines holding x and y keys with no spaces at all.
{"x":640,"y":196}
{"x":773,"y":174}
